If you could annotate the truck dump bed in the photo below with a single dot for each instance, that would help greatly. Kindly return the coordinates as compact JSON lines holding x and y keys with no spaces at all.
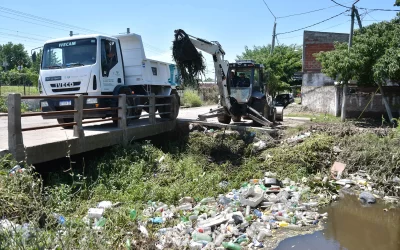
{"x":138,"y":69}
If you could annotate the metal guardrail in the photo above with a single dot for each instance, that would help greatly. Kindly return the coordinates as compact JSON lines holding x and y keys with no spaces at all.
{"x":15,"y":138}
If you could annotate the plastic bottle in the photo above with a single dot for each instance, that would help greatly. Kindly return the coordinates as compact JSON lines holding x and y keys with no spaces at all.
{"x":231,"y":246}
{"x":233,"y":230}
{"x":187,"y":206}
{"x":283,"y":224}
{"x":204,"y":229}
{"x":196,"y":236}
{"x":262,"y":234}
{"x":293,"y":219}
{"x":257,"y":213}
{"x":220,"y":238}
{"x":156,"y":220}
{"x":247,"y":210}
{"x":133,"y":214}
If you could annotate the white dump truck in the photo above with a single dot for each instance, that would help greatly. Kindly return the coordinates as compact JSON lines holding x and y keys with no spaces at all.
{"x":97,"y":65}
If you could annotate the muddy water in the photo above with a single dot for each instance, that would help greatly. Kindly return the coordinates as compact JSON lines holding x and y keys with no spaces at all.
{"x":352,"y":226}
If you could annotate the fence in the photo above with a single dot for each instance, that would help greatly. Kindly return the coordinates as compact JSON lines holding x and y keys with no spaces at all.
{"x":15,"y":82}
{"x":15,"y":136}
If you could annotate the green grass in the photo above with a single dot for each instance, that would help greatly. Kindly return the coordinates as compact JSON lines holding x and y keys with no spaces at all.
{"x":4,"y":108}
{"x":316,"y":117}
{"x":192,"y":166}
{"x":297,"y":100}
{"x":5,"y":90}
{"x":191,"y":98}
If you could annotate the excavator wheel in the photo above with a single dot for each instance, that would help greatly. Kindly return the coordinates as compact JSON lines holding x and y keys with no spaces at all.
{"x":272,"y":118}
{"x":279,"y":113}
{"x":236,"y":118}
{"x":225,"y":119}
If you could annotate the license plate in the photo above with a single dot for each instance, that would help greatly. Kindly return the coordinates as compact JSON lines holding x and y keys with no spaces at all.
{"x":65,"y":103}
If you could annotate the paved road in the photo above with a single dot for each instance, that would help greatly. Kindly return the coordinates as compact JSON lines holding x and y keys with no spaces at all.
{"x":37,"y":137}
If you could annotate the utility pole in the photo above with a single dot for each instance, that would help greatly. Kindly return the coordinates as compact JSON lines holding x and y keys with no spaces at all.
{"x":273,"y":38}
{"x":345,"y":83}
{"x":358,"y":18}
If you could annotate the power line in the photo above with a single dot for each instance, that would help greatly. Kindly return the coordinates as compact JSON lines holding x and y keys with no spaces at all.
{"x":379,"y":9}
{"x":269,"y":9}
{"x":41,"y":19}
{"x":33,"y":23}
{"x":54,"y":23}
{"x":318,"y":30}
{"x":27,"y":37}
{"x":341,"y":4}
{"x":25,"y":33}
{"x":314,"y":23}
{"x":311,"y":11}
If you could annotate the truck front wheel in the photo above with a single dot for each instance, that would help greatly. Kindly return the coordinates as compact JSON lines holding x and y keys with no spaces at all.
{"x":65,"y":120}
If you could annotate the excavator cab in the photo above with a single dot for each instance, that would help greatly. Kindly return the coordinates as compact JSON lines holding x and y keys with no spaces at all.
{"x":244,"y":79}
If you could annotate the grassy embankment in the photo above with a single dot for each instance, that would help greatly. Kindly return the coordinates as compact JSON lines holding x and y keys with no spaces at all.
{"x":192,"y":167}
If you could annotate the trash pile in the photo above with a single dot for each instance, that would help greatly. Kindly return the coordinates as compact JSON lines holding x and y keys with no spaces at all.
{"x":247,"y":217}
{"x":363,"y":183}
{"x":298,"y":138}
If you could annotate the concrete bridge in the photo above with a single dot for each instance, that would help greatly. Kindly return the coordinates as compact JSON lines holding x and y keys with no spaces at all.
{"x":29,"y":137}
{"x":36,"y":140}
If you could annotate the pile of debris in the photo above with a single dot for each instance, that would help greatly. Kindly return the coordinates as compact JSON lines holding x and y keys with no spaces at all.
{"x":250,"y":216}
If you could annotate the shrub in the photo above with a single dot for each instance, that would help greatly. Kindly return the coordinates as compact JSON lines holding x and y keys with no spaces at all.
{"x":3,"y":105}
{"x":209,"y":92}
{"x":191,"y":98}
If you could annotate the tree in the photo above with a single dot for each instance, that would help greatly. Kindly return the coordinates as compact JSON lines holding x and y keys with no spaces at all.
{"x":373,"y":59}
{"x":279,"y":67}
{"x":14,"y":55}
{"x":397,"y":3}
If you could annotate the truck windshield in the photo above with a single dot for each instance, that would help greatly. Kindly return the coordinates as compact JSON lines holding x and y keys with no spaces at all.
{"x":72,"y":53}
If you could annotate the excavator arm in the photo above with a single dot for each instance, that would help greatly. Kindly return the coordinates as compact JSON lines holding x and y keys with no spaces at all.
{"x":220,"y":65}
{"x":190,"y":62}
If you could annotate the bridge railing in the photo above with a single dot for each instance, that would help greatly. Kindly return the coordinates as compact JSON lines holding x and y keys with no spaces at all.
{"x":15,"y":138}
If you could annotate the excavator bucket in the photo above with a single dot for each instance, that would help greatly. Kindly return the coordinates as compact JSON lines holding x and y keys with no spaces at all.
{"x":188,"y":60}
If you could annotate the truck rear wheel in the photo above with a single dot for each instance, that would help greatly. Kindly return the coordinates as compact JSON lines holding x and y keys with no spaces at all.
{"x":129,"y":102}
{"x":225,"y":119}
{"x":65,"y":120}
{"x":170,"y":111}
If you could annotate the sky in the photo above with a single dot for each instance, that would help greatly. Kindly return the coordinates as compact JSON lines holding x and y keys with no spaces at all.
{"x":233,"y":23}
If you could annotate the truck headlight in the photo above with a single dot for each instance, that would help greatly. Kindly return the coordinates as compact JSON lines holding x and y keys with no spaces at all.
{"x":91,"y":101}
{"x":44,"y":104}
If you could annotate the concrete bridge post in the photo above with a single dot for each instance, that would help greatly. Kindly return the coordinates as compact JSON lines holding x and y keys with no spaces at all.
{"x":15,"y":141}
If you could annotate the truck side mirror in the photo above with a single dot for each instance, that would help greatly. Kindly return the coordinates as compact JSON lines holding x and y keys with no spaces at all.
{"x":34,"y":57}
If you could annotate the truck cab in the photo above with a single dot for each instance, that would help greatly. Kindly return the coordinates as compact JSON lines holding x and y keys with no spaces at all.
{"x":96,"y":65}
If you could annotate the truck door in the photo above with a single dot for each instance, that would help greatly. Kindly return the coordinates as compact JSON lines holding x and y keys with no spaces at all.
{"x":111,"y":65}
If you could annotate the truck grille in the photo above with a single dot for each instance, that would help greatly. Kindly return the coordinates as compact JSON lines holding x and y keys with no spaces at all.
{"x":63,"y":87}
{"x":65,"y":90}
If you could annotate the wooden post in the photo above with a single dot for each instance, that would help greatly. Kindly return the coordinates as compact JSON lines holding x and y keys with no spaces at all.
{"x":78,"y":116}
{"x":122,"y":105}
{"x":15,"y":141}
{"x":152,"y":109}
{"x":122,"y":122}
